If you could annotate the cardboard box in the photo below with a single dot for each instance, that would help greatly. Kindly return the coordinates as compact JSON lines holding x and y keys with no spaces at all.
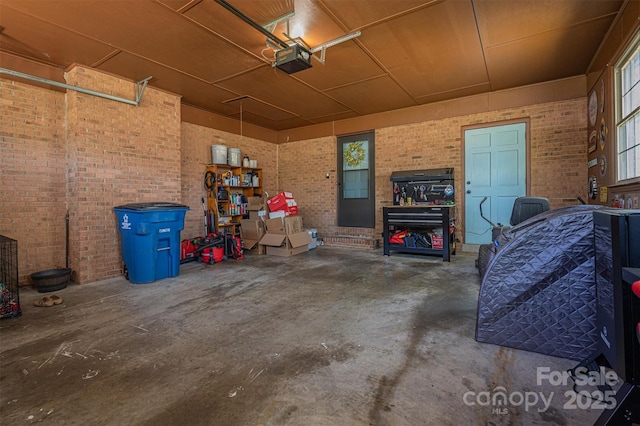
{"x":286,"y":245}
{"x":281,"y":201}
{"x":284,"y":225}
{"x":257,"y":214}
{"x":275,"y":226}
{"x":285,"y":236}
{"x":251,"y":232}
{"x":293,"y":224}
{"x":256,"y":203}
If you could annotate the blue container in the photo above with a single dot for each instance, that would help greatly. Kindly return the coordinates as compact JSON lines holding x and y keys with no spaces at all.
{"x":150,"y":235}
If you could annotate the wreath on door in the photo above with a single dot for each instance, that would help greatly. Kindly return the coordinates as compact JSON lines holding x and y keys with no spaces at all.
{"x":354,"y":154}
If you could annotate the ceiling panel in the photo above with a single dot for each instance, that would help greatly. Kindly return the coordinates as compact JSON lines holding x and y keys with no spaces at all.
{"x":46,"y":42}
{"x":342,"y":63}
{"x":356,"y":14}
{"x":218,"y":20}
{"x":179,"y":5}
{"x":147,"y":29}
{"x":501,"y":22}
{"x":455,"y":93}
{"x":519,"y":62}
{"x":430,"y":51}
{"x":374,"y":95}
{"x":248,"y":105}
{"x":197,"y":92}
{"x":276,"y":88}
{"x":410,"y":51}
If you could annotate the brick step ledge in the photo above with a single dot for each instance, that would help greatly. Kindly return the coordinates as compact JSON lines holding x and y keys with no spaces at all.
{"x":351,"y":241}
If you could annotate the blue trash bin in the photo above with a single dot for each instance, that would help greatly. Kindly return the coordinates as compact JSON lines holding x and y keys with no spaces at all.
{"x":150,"y":236}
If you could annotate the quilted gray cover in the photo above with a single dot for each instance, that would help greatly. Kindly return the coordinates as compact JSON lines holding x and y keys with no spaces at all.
{"x":538,"y":293}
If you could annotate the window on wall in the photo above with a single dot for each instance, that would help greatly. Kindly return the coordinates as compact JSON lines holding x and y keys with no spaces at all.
{"x":628,"y":100}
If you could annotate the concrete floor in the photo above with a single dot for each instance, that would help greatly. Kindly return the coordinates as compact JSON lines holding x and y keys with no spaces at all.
{"x":329,"y":337}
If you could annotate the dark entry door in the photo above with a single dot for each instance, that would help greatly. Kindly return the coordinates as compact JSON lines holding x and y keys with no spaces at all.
{"x":356,"y":181}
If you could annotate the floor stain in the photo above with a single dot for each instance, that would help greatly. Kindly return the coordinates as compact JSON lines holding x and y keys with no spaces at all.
{"x":437,"y":311}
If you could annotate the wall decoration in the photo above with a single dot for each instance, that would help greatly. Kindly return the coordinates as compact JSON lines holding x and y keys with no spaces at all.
{"x":593,"y":163}
{"x":593,"y":141}
{"x":593,"y":108}
{"x":602,"y":96}
{"x":603,"y":194}
{"x":593,"y":187}
{"x":603,"y":133}
{"x":354,"y":154}
{"x":603,"y":165}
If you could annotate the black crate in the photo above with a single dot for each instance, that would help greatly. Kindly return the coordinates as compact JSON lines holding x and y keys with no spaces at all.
{"x":9,"y":292}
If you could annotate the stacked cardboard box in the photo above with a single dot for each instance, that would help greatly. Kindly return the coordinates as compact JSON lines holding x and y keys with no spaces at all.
{"x":285,"y":236}
{"x":283,"y":202}
{"x":252,"y":230}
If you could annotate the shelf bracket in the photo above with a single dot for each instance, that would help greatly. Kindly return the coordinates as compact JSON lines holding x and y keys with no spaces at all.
{"x":139,"y":87}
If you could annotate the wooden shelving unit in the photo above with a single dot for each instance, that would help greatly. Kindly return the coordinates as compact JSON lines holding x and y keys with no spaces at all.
{"x":238,"y":184}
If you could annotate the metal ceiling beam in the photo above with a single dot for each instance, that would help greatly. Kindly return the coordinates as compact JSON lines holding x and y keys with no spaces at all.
{"x":140,"y":86}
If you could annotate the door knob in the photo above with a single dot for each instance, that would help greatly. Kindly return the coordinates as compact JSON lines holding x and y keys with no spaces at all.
{"x":468,"y":191}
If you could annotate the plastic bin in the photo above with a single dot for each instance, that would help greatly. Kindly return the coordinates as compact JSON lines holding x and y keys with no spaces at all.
{"x":150,"y":236}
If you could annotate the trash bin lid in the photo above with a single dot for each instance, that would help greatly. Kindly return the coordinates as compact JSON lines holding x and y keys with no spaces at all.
{"x":152,"y":206}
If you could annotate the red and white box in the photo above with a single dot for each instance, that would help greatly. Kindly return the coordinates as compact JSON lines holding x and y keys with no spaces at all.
{"x":436,"y":242}
{"x":285,"y":202}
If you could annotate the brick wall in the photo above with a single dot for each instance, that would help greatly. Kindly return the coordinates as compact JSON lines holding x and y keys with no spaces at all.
{"x":89,"y":154}
{"x":557,"y":156}
{"x":86,"y":154}
{"x":33,"y":174}
{"x":117,"y":154}
{"x":302,"y":169}
{"x":196,"y":154}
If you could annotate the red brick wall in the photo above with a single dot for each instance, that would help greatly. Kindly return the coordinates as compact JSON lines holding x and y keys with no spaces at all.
{"x":33,"y":174}
{"x":196,"y":154}
{"x":557,"y":155}
{"x":117,"y":154}
{"x":85,"y":154}
{"x":302,"y":169}
{"x":89,"y":154}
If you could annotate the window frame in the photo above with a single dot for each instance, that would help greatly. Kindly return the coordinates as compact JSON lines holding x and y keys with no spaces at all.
{"x":630,"y":51}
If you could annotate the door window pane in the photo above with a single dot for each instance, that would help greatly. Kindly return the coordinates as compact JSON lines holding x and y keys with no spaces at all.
{"x":355,"y":169}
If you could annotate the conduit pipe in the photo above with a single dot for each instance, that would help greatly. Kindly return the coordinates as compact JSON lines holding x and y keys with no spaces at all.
{"x":140,"y":86}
